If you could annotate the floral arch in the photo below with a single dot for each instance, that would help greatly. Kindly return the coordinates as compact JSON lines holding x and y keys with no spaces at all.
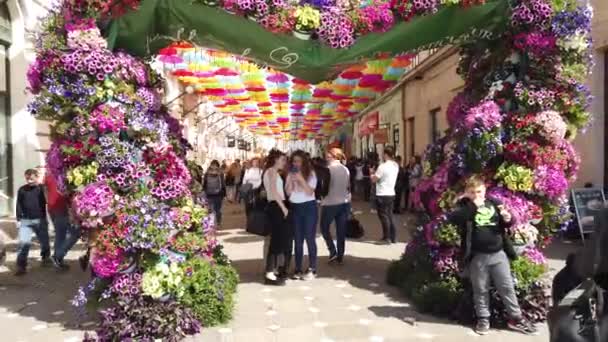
{"x":120,"y":155}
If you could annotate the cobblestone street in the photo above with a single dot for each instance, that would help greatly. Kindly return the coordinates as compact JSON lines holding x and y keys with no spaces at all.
{"x":345,"y":303}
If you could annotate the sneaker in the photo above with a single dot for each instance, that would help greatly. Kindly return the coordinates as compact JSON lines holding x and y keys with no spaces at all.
{"x":522,"y":326}
{"x":299,"y":275}
{"x":373,"y":211}
{"x":310,"y":275}
{"x":483,"y":326}
{"x":332,"y":259}
{"x":20,"y":271}
{"x":59,"y":264}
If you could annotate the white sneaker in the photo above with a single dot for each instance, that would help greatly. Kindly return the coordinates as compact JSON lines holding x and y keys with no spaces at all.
{"x":271,"y":276}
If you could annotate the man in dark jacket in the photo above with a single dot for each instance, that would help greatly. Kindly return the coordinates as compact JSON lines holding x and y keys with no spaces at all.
{"x":31,"y":219}
{"x":487,"y":250}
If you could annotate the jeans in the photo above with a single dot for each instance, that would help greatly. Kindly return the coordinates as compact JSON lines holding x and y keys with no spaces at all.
{"x":304,"y":216}
{"x":66,"y":234}
{"x":215,"y":201}
{"x":339,"y":213}
{"x":28,"y":227}
{"x":385,"y":214}
{"x":493,"y":267}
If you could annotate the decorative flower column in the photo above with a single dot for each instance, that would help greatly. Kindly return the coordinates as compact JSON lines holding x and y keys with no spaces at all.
{"x":524,"y":100}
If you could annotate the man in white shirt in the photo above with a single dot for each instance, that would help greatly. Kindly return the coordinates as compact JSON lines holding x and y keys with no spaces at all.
{"x":385,"y":178}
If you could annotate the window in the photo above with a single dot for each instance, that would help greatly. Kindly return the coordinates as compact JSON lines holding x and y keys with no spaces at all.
{"x":5,"y":147}
{"x":434,"y":133}
{"x":411,"y":130}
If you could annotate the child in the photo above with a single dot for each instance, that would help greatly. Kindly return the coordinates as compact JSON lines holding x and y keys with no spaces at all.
{"x":485,"y":244}
{"x":31,"y":218}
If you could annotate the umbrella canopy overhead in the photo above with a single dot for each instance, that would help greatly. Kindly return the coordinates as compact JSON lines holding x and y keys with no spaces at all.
{"x":272,"y":103}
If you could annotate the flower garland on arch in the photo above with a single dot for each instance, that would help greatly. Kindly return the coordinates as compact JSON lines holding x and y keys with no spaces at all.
{"x":524,"y":100}
{"x":120,"y":157}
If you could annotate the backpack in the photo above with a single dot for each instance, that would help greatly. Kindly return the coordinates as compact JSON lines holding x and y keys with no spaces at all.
{"x":213,"y":184}
{"x":354,"y":229}
{"x":323,"y":179}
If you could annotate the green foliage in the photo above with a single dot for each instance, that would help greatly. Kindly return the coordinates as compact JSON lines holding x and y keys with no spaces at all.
{"x":526,"y":272}
{"x":447,"y":235}
{"x":439,"y":297}
{"x":209,"y":291}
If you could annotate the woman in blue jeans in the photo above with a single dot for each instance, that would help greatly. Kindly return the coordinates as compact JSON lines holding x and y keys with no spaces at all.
{"x":300,"y":187}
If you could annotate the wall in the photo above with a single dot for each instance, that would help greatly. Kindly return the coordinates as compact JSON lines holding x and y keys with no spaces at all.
{"x":29,"y":137}
{"x":591,"y":144}
{"x":431,"y":86}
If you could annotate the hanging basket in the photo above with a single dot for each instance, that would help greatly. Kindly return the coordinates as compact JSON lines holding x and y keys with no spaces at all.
{"x":303,"y":35}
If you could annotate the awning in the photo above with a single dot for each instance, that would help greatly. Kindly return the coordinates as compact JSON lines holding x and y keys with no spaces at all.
{"x":157,"y":23}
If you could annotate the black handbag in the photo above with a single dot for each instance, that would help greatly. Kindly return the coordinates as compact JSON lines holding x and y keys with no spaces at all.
{"x":258,"y":222}
{"x":354,"y":229}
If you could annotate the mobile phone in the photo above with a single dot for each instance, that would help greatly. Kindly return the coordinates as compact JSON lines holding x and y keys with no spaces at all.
{"x":294,"y":169}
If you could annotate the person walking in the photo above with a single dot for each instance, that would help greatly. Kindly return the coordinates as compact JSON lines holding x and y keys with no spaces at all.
{"x":252,"y":181}
{"x":415,"y":175}
{"x":232,"y":178}
{"x":300,"y":186}
{"x":400,"y":185}
{"x":280,"y":238}
{"x":359,"y":184}
{"x":336,"y":205}
{"x":385,"y":178}
{"x":31,"y":219}
{"x":66,"y":233}
{"x":214,"y":187}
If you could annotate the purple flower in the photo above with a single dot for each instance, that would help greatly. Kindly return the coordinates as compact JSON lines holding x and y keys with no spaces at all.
{"x":486,"y":115}
{"x":550,"y":182}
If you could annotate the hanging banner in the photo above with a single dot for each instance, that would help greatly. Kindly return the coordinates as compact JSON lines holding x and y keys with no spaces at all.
{"x":158,"y":23}
{"x":368,"y":124}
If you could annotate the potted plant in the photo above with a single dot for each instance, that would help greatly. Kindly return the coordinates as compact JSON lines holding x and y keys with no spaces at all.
{"x":307,"y":19}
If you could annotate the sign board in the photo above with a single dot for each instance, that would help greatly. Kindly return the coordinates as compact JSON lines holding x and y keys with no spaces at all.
{"x":587,"y":203}
{"x":368,"y":124}
{"x":381,"y":136}
{"x":231,"y":142}
{"x":242,"y":144}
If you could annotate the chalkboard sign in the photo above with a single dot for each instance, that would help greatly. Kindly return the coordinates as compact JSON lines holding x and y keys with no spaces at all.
{"x":587,"y":202}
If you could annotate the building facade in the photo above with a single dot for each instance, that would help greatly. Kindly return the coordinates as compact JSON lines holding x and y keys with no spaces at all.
{"x":429,"y":87}
{"x":23,"y":140}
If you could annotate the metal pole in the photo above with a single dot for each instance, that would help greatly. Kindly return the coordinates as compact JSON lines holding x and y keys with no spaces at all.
{"x":223,"y":128}
{"x":216,"y":122}
{"x":192,"y":110}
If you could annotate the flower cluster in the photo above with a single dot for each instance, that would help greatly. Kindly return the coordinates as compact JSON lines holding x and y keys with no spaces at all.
{"x":524,"y":234}
{"x":107,"y":118}
{"x":534,"y":13}
{"x":515,"y":177}
{"x":336,"y":29}
{"x":126,"y":285}
{"x":377,"y":16}
{"x":486,"y":115}
{"x":107,"y":264}
{"x":94,"y":203}
{"x":535,"y":43}
{"x":351,"y":18}
{"x":163,"y":279}
{"x":170,"y":174}
{"x":552,"y":126}
{"x":550,"y":182}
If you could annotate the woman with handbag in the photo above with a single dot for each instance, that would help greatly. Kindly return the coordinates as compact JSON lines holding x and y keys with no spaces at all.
{"x":280,"y":238}
{"x":301,"y":184}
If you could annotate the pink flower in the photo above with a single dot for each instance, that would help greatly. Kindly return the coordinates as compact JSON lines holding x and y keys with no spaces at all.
{"x":552,"y":125}
{"x":486,"y":114}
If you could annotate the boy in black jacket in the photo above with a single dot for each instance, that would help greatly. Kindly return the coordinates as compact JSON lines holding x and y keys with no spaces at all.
{"x":487,"y":250}
{"x":31,"y":219}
